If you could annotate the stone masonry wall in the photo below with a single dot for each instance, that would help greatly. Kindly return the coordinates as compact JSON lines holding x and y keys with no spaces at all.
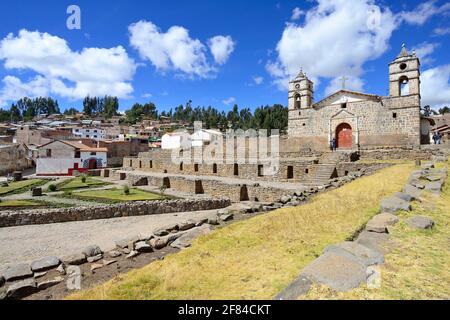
{"x":29,"y":217}
{"x":392,"y":121}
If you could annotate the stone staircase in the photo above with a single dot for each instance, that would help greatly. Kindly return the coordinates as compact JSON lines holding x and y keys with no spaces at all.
{"x":326,"y":170}
{"x":323,"y":174}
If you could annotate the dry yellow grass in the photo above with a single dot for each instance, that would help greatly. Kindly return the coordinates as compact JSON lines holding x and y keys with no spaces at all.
{"x":419,"y":265}
{"x":257,"y":258}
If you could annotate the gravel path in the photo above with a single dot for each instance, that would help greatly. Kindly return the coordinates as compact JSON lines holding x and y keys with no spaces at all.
{"x":28,"y":243}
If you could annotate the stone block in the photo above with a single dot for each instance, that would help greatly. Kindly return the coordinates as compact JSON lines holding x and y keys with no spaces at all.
{"x":17,"y":272}
{"x":74,"y":259}
{"x":338,"y":272}
{"x":394,"y":204}
{"x":45,"y":264}
{"x":420,"y":222}
{"x":21,"y":289}
{"x":92,"y":251}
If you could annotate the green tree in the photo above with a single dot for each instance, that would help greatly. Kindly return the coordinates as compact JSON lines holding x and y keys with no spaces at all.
{"x":427,"y":111}
{"x":70,"y":112}
{"x":444,"y":110}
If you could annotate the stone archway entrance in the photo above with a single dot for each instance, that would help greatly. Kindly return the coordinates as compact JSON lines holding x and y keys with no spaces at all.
{"x":344,"y":136}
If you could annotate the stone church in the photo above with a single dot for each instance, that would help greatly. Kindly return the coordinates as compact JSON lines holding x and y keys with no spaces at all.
{"x":360,"y":120}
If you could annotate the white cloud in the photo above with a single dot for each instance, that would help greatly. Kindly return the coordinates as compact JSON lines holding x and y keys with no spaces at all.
{"x":14,"y":89}
{"x":176,"y":50}
{"x":229,"y":101}
{"x":424,"y":50}
{"x":423,"y":12}
{"x":361,"y":33}
{"x":297,"y":13}
{"x":258,"y":80}
{"x":221,"y":48}
{"x":351,"y":83}
{"x":435,"y":86}
{"x":441,"y":31}
{"x":70,"y":74}
{"x":147,"y":95}
{"x":325,"y":54}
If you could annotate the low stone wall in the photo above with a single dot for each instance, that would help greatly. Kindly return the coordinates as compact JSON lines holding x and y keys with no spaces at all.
{"x":426,"y":152}
{"x":29,"y":217}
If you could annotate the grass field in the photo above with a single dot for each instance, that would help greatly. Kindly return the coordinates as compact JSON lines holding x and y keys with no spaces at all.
{"x":418,"y":267}
{"x":258,"y":257}
{"x":117,"y":195}
{"x":77,"y":183}
{"x":21,"y":186}
{"x":20,"y":203}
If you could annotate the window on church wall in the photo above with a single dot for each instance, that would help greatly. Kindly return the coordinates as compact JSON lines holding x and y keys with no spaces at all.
{"x":404,"y":86}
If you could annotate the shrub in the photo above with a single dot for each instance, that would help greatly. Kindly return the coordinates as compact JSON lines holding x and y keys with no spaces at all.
{"x":83,"y":178}
{"x":52,"y":188}
{"x":163,"y":189}
{"x":126,"y":190}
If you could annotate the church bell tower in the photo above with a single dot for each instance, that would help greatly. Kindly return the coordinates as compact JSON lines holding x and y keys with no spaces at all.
{"x":300,"y":92}
{"x":404,"y":74}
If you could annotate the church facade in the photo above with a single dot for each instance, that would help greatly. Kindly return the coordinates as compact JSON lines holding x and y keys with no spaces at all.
{"x":360,"y":120}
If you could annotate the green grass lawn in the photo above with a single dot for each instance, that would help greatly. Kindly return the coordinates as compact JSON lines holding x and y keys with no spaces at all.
{"x":77,"y":183}
{"x":20,"y":203}
{"x":258,"y":257}
{"x":21,"y":186}
{"x":116,"y":195}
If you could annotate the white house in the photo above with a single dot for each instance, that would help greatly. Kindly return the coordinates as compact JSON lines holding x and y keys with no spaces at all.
{"x":66,"y":158}
{"x":204,"y":136}
{"x":182,"y":139}
{"x":89,"y":133}
{"x":176,"y":140}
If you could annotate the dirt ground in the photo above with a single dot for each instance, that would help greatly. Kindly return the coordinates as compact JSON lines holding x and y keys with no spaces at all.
{"x":28,"y":243}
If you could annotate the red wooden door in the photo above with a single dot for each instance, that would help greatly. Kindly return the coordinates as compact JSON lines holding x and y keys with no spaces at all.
{"x":344,"y":136}
{"x":92,"y":164}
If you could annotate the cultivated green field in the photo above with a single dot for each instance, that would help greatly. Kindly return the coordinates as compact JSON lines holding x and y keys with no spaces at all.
{"x":77,"y":183}
{"x":21,"y":186}
{"x":19,"y":203}
{"x":117,"y":195}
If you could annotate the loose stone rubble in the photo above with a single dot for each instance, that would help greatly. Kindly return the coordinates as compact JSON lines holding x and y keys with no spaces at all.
{"x":348,"y":265}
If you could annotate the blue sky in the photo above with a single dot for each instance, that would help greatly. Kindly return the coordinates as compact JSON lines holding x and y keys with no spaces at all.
{"x":216,"y":52}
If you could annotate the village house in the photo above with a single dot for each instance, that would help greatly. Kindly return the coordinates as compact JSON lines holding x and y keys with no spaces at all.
{"x":32,"y":135}
{"x":67,"y":158}
{"x":94,"y":133}
{"x":184,"y":140}
{"x":117,"y":150}
{"x":14,"y":157}
{"x":359,"y":120}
